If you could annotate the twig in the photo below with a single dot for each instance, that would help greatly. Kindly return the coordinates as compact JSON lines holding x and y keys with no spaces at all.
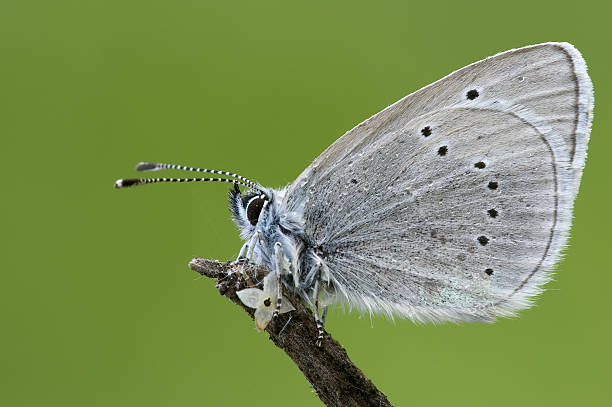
{"x":337,"y":381}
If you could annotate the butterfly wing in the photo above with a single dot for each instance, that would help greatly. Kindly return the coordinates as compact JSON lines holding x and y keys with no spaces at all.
{"x":453,"y":203}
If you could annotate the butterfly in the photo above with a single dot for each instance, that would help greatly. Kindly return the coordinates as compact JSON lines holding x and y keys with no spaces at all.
{"x":452,"y":204}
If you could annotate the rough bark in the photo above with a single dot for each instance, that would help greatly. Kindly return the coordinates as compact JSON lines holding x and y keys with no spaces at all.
{"x":337,"y":381}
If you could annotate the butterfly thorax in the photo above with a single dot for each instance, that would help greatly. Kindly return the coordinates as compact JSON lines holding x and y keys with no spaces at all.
{"x":265,"y":224}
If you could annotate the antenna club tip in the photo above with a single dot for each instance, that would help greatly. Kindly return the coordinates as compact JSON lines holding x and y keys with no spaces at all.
{"x":119,"y":184}
{"x":146,"y":166}
{"x":128,"y":182}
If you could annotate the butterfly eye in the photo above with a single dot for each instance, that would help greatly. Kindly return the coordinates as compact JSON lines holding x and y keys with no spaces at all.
{"x":253,"y":208}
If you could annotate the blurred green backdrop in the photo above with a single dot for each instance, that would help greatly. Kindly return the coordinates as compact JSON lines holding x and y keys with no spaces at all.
{"x":97,"y":304}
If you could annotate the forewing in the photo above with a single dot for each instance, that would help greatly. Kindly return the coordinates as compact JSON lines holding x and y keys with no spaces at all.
{"x":549,"y":79}
{"x":452,"y":203}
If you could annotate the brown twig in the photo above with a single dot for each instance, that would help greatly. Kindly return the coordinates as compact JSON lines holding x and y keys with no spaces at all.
{"x":337,"y":381}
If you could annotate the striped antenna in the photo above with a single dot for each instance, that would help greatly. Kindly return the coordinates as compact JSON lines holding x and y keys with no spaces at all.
{"x":146,"y":166}
{"x":132,"y":182}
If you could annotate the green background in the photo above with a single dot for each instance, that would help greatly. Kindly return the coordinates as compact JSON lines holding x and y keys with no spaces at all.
{"x":97,"y":304}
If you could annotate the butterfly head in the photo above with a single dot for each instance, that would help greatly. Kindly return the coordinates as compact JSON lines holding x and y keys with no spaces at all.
{"x":247,"y":207}
{"x":254,"y":209}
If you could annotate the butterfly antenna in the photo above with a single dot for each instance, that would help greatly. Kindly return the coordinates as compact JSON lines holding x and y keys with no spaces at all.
{"x":147,"y":166}
{"x":132,"y":182}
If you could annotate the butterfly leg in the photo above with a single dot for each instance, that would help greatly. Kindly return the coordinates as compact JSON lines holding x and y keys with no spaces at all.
{"x":247,"y":249}
{"x":314,"y":270}
{"x":314,"y":275}
{"x":251,"y":245}
{"x":278,"y":252}
{"x":242,"y":252}
{"x":240,"y":260}
{"x":324,"y":315}
{"x":315,"y":309}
